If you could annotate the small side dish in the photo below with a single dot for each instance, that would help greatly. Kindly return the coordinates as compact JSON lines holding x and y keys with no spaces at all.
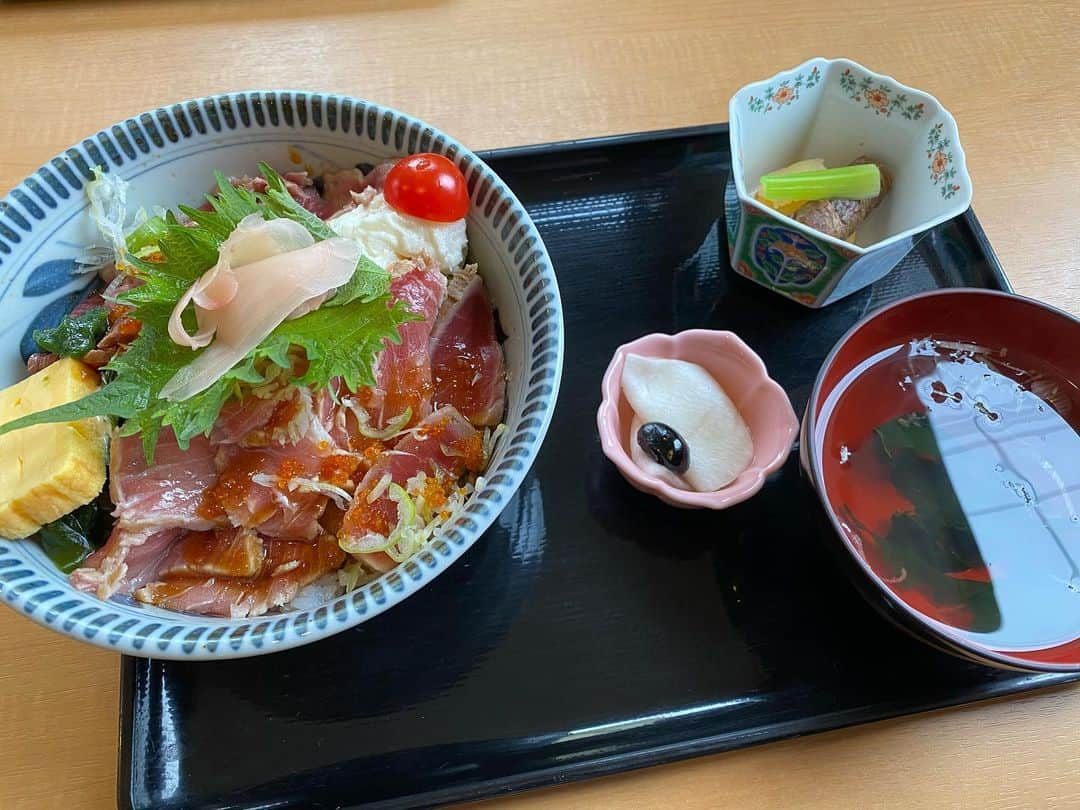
{"x":298,"y":383}
{"x":805,"y":236}
{"x":694,"y":418}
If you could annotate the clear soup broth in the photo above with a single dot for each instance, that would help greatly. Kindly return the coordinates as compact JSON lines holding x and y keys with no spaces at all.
{"x":955,"y":471}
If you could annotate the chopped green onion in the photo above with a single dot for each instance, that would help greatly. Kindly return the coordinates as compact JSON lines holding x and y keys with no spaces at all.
{"x":858,"y":182}
{"x":392,"y":429}
{"x":368,"y":544}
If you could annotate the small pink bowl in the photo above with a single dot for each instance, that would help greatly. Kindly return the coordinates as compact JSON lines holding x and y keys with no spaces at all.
{"x":741,"y":373}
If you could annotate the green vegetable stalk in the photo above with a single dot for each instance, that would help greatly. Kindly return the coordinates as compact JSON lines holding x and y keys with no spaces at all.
{"x":861,"y":181}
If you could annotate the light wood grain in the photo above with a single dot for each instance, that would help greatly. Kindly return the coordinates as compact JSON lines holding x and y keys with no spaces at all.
{"x":504,"y":73}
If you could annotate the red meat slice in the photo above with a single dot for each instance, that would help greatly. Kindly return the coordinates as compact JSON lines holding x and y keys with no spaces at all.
{"x":443,"y":443}
{"x":228,"y":552}
{"x":128,"y":559}
{"x":253,"y":489}
{"x":287,"y":566}
{"x":166,"y":494}
{"x":403,"y":370}
{"x":339,"y":187}
{"x":466,"y":359}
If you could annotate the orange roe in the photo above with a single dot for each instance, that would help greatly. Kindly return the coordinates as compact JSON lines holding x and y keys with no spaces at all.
{"x":433,"y":429}
{"x":364,"y":517}
{"x":369,"y":450}
{"x":338,"y":469}
{"x":436,"y":491}
{"x":471,"y":450}
{"x":410,"y":387}
{"x":230,"y":491}
{"x":288,"y":469}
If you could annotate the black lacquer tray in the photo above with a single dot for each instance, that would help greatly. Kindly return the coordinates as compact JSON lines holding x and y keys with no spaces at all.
{"x":592,"y":629}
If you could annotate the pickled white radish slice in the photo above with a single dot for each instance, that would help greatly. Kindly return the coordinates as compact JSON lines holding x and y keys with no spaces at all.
{"x":688,"y":399}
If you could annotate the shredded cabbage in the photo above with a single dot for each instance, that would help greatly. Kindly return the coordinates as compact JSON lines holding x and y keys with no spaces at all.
{"x":353,"y":574}
{"x":417,"y":520}
{"x":108,"y":209}
{"x":491,"y":438}
{"x":339,"y":496}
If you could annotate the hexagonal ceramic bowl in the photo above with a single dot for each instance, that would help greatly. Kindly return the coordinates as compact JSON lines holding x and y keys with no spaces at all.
{"x":837,"y":110}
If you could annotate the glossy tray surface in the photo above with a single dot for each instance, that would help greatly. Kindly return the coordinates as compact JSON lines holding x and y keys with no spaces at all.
{"x":593,"y":629}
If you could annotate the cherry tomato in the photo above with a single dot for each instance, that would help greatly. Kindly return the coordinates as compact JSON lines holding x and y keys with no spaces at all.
{"x":427,"y":186}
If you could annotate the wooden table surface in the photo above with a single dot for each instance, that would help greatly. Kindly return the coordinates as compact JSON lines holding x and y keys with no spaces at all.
{"x":500,"y":73}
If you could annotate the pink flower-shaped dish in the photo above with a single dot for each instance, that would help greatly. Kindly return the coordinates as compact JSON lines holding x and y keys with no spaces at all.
{"x":741,"y":373}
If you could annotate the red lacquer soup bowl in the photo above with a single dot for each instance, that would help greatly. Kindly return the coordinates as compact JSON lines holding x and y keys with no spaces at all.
{"x":943,"y":440}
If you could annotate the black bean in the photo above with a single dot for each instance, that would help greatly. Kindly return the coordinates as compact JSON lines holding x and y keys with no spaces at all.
{"x":664,"y":445}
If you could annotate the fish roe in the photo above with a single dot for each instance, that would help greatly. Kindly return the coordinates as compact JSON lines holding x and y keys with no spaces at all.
{"x":378,"y":517}
{"x":288,"y":469}
{"x":471,"y":450}
{"x":435,"y":491}
{"x":230,"y":492}
{"x":411,"y":388}
{"x":338,"y":469}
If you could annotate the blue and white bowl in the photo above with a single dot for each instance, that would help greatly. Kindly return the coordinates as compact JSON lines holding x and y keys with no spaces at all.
{"x":170,"y":155}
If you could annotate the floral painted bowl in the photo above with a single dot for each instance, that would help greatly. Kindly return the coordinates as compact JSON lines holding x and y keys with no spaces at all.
{"x":837,"y":110}
{"x":170,"y":154}
{"x":761,"y":401}
{"x":1014,"y":473}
